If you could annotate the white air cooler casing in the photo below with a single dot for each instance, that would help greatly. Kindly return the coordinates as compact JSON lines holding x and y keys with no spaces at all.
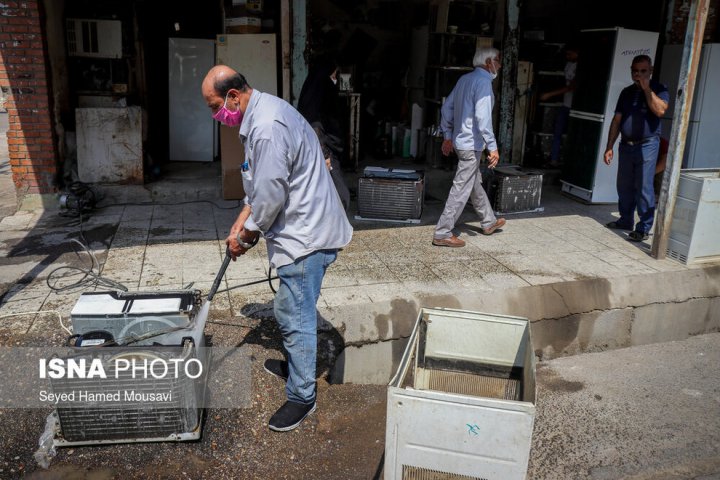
{"x":694,"y":233}
{"x":462,"y":403}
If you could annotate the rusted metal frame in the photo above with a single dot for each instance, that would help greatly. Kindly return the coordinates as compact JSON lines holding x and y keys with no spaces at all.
{"x":299,"y":44}
{"x":509,"y":80}
{"x":681,"y":119}
{"x":285,"y":20}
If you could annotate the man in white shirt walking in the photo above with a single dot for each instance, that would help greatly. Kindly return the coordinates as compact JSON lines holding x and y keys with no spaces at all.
{"x":291,"y":199}
{"x":467,"y":128}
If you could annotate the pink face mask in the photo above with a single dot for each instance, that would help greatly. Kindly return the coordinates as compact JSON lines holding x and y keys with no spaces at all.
{"x":226,"y":117}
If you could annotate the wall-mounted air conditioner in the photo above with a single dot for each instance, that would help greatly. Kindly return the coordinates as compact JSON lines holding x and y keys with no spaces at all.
{"x":94,"y":38}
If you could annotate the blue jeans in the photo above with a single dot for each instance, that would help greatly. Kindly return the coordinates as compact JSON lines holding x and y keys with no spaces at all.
{"x":561,"y":121}
{"x":296,"y":314}
{"x":636,"y":170}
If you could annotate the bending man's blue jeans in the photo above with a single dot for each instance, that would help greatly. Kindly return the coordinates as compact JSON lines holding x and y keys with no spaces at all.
{"x":296,"y":314}
{"x":636,"y":170}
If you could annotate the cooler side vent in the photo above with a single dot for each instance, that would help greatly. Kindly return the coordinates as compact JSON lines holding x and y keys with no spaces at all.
{"x":677,"y":256}
{"x":475,"y":385}
{"x":418,"y":473}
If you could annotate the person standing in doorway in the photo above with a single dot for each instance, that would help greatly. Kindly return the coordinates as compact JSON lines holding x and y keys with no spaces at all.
{"x":291,"y":200}
{"x":637,"y":119}
{"x":467,"y":128}
{"x":563,"y":112}
{"x":319,"y":103}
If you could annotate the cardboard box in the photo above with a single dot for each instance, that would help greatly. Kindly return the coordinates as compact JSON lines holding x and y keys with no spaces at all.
{"x":243,"y":25}
{"x":232,"y":155}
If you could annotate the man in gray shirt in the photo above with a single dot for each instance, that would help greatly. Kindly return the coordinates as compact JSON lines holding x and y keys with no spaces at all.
{"x":467,"y":127}
{"x":291,"y":200}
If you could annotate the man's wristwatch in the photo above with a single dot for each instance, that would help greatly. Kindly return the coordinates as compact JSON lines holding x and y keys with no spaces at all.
{"x":245,"y":245}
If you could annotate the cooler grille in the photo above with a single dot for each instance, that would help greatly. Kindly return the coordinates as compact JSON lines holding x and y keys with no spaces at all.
{"x":517,"y":193}
{"x":118,"y":409}
{"x":677,"y":256}
{"x":390,"y":199}
{"x":123,"y":423}
{"x":418,"y":473}
{"x":475,"y":385}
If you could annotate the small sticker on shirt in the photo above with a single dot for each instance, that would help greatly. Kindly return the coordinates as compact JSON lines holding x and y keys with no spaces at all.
{"x":245,"y":167}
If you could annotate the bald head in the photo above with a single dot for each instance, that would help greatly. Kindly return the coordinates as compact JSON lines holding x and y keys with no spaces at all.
{"x":220,"y":79}
{"x":223,"y":82}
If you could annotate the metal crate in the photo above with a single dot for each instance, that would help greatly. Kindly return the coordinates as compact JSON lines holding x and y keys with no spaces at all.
{"x":391,"y":195}
{"x":462,"y":403}
{"x":516,"y":190}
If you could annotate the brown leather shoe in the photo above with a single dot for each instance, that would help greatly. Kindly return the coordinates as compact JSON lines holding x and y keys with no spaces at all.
{"x":452,"y":241}
{"x":491,"y":229}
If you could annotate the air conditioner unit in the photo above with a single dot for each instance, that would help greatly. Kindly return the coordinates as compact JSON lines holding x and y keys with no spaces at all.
{"x":516,"y":190}
{"x":127,"y":407}
{"x":94,"y":38}
{"x":388,"y":194}
{"x":138,"y":328}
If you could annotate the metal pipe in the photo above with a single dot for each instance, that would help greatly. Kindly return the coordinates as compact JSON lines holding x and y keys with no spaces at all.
{"x":686,"y":88}
{"x":219,"y":276}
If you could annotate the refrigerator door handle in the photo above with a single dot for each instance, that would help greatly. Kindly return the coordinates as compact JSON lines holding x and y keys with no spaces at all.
{"x":595,"y":117}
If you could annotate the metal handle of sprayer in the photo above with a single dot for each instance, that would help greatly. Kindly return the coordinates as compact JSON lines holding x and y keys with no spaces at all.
{"x":220,"y":275}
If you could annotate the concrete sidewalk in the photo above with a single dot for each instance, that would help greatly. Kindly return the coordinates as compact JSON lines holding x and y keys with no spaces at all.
{"x":584,"y":287}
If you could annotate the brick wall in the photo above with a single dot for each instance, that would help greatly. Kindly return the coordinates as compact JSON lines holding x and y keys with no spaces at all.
{"x":24,"y":81}
{"x":680,"y":14}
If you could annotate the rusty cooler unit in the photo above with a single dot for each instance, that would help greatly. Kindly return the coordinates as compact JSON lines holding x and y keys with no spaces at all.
{"x":145,"y":402}
{"x":515,"y":190}
{"x":393,"y":195}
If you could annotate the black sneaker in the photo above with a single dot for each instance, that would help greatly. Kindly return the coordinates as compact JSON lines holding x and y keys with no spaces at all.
{"x":636,"y":236}
{"x":279,"y":368}
{"x":290,"y":416}
{"x":617,"y":226}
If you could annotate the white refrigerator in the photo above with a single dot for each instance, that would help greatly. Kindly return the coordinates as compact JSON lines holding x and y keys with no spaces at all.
{"x":702,"y":144}
{"x":603,"y":71}
{"x":193,"y":132}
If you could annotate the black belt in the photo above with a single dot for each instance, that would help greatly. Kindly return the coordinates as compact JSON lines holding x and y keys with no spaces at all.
{"x":636,"y":142}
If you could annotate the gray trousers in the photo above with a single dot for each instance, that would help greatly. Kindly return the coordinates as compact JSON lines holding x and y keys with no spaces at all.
{"x":466,"y":184}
